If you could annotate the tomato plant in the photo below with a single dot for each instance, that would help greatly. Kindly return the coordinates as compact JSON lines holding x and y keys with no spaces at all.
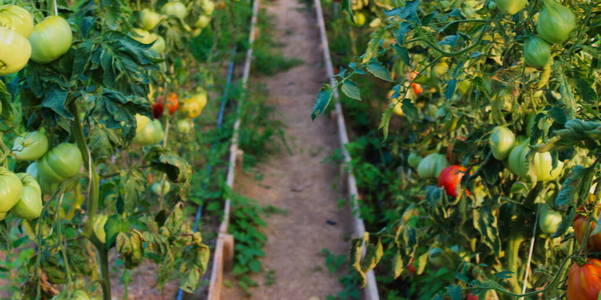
{"x":508,"y":93}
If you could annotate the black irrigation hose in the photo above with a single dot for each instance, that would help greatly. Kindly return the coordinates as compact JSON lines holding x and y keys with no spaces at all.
{"x":209,"y":169}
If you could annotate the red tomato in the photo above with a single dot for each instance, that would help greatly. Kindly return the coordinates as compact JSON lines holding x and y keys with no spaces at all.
{"x":157,"y":110}
{"x":594,"y":241}
{"x":172,"y":103}
{"x":417,"y":88}
{"x":584,"y":282}
{"x":450,"y":178}
{"x":471,"y":296}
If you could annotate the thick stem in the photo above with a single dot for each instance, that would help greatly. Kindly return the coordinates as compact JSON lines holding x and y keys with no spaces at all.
{"x":104,"y":268}
{"x":513,"y":253}
{"x":94,"y":186}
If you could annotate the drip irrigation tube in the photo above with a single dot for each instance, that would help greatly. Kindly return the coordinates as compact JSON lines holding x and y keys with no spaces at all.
{"x":371,"y":288}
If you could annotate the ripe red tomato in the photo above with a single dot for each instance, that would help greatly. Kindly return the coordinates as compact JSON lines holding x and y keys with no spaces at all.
{"x":417,"y":88}
{"x":172,"y":103}
{"x":584,"y":282}
{"x":157,"y":110}
{"x":471,"y":296}
{"x":450,"y":178}
{"x":579,"y":224}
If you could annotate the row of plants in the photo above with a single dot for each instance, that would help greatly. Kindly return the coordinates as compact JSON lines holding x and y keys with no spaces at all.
{"x":103,"y":139}
{"x":475,"y":144}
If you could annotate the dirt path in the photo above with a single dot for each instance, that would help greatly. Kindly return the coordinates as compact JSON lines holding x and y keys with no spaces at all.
{"x":300,"y":183}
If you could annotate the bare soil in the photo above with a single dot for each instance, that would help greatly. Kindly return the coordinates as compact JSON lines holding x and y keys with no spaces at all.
{"x":301,"y":182}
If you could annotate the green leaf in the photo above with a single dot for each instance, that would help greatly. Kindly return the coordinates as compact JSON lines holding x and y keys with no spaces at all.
{"x":56,"y":101}
{"x":177,"y":169}
{"x":398,"y":265}
{"x":321,"y":104}
{"x":351,"y":90}
{"x":570,"y":186}
{"x":378,"y":70}
{"x":403,"y":54}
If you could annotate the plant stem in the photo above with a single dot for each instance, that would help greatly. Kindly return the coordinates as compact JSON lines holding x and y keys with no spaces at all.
{"x":104,"y":268}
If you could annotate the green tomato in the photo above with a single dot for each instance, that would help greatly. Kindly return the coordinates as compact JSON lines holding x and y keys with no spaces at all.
{"x":202,"y":22}
{"x":11,"y":189}
{"x":208,"y":7}
{"x":161,"y":188}
{"x":175,"y":9}
{"x":432,"y":165}
{"x":537,"y":52}
{"x":542,"y":167}
{"x":30,"y":205}
{"x":185,"y":126}
{"x":555,"y":22}
{"x":359,"y":19}
{"x":17,"y":19}
{"x":50,"y":39}
{"x":15,"y":51}
{"x":98,"y":227}
{"x":149,"y":19}
{"x":518,"y":160}
{"x":549,"y":219}
{"x":148,"y":132}
{"x":441,"y":68}
{"x":501,"y":141}
{"x":60,"y":163}
{"x":30,"y":146}
{"x":511,"y":6}
{"x":414,"y":159}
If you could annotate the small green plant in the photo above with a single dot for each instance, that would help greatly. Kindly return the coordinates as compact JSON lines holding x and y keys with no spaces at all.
{"x":350,"y":281}
{"x":246,"y":221}
{"x":268,"y":59}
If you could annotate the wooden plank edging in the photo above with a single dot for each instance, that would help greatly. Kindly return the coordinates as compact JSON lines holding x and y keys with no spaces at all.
{"x":370,"y":292}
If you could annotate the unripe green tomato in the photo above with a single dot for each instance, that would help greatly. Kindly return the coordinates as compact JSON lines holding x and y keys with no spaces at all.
{"x":549,"y":219}
{"x":60,"y":163}
{"x":98,"y":227}
{"x":432,"y":165}
{"x":11,"y":189}
{"x":30,"y":205}
{"x":30,"y":146}
{"x":501,"y":141}
{"x":149,"y":19}
{"x":150,"y":134}
{"x":50,"y":39}
{"x":80,"y":295}
{"x":175,"y":9}
{"x":208,"y":7}
{"x":359,"y":19}
{"x":441,"y":68}
{"x":161,"y":188}
{"x":518,"y":162}
{"x":542,"y":167}
{"x":202,"y":22}
{"x":185,"y":126}
{"x":555,"y":22}
{"x":537,"y":52}
{"x":414,"y":159}
{"x":17,"y":19}
{"x":15,"y":51}
{"x":511,"y":6}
